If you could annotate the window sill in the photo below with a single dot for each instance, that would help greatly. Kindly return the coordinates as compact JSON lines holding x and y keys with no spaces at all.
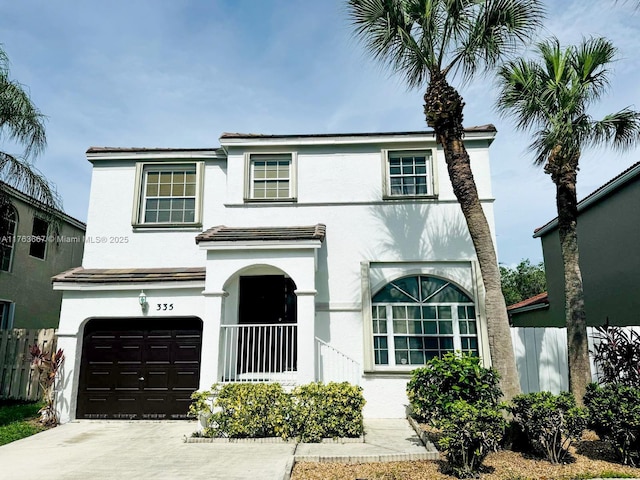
{"x":271,"y":200}
{"x":396,"y":371}
{"x":186,"y":227}
{"x":410,"y":197}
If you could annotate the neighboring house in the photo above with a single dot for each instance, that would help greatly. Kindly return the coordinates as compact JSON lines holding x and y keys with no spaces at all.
{"x":31,"y":252}
{"x":289,"y":258}
{"x":608,"y":240}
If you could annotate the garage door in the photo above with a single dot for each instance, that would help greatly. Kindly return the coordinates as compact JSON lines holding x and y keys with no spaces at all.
{"x":139,"y":369}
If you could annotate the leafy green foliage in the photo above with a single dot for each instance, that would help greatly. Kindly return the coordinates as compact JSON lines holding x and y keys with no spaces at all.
{"x":310,"y":412}
{"x":523,"y":281}
{"x":327,"y":411}
{"x":614,"y":412}
{"x":550,"y":422}
{"x":434,"y":387}
{"x":250,"y":410}
{"x":617,"y":355}
{"x":469,"y":432}
{"x":460,"y":397}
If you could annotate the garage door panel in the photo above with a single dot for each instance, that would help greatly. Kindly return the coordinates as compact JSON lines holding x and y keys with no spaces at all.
{"x":137,"y":369}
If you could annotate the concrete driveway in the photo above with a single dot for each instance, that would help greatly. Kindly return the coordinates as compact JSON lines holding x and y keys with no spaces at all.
{"x":122,"y":450}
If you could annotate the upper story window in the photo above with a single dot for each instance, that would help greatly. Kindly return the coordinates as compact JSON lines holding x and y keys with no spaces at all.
{"x":271,"y":176}
{"x":38,"y":243}
{"x":8,"y":224}
{"x":420,"y":317}
{"x":169,"y":195}
{"x":409,"y":173}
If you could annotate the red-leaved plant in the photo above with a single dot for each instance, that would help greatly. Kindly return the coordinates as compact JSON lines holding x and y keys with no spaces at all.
{"x":48,"y":365}
{"x":617,"y":354}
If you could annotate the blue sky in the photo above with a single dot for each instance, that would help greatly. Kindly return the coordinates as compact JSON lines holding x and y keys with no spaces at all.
{"x":161,"y":73}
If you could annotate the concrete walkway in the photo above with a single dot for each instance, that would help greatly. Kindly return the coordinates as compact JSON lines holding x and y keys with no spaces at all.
{"x":156,"y":450}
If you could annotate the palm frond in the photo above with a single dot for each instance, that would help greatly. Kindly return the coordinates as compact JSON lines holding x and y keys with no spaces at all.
{"x":620,"y":129}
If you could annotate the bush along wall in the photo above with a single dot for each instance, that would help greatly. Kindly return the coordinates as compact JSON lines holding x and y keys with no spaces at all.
{"x":309,"y":413}
{"x":460,"y":397}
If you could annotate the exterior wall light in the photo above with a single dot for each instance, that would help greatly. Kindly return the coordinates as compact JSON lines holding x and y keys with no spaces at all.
{"x":142,"y":299}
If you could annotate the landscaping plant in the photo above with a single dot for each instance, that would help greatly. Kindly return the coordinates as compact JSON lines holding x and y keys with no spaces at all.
{"x":469,"y":432}
{"x":614,"y":412}
{"x":459,"y":397}
{"x":48,"y":366}
{"x":434,"y":387}
{"x":617,"y":355}
{"x":310,"y":412}
{"x":550,"y":422}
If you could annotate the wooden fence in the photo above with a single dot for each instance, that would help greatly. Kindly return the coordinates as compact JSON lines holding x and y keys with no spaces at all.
{"x":541,"y":358}
{"x":18,"y":378}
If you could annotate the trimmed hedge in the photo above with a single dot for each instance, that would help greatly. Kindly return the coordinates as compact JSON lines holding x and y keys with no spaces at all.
{"x":310,"y":412}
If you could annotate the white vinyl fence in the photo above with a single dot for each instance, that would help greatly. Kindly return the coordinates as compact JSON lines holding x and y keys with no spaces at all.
{"x":541,"y":357}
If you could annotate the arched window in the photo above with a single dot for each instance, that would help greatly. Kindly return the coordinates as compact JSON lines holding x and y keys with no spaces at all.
{"x":420,"y":317}
{"x":8,"y":223}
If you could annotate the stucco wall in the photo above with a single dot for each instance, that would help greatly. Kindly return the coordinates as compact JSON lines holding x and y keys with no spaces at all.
{"x":28,"y":283}
{"x":608,"y":239}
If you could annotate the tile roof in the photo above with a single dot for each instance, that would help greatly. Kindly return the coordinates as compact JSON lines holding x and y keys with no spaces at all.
{"x":130,"y":275}
{"x":222,"y":233}
{"x":539,"y":299}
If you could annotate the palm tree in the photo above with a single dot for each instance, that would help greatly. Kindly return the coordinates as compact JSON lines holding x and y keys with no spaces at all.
{"x":428,"y":42}
{"x":550,"y":96}
{"x":21,"y":123}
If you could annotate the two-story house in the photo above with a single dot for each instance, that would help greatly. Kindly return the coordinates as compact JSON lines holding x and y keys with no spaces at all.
{"x":31,"y":251}
{"x":288,"y":258}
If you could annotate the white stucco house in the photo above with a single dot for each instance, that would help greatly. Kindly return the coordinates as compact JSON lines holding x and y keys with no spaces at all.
{"x":287,"y":258}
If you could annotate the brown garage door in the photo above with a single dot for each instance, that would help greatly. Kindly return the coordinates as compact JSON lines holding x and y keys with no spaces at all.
{"x":139,"y":369}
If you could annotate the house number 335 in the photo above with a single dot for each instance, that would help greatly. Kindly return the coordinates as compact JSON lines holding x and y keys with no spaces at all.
{"x":164,"y":306}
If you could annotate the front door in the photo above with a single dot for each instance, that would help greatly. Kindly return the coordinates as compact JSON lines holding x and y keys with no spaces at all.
{"x":268,"y":311}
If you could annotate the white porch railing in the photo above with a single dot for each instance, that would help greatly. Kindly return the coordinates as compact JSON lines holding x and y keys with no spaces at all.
{"x":259,"y":353}
{"x":334,"y":366}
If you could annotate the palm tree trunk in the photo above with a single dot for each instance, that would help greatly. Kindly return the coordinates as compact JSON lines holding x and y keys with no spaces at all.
{"x":443,"y":110}
{"x":576,"y":320}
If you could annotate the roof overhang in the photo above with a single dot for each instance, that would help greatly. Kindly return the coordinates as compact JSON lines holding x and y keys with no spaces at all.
{"x":97,"y":154}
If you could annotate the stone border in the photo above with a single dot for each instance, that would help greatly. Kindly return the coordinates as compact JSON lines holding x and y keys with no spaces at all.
{"x":270,"y":440}
{"x":422,"y":435}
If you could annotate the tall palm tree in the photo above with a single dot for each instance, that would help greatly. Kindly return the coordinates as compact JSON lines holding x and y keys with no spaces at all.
{"x":429,"y":42}
{"x":22,"y":124}
{"x":550,"y":96}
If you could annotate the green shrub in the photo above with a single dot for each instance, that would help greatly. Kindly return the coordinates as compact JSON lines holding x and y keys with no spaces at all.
{"x":434,"y":387}
{"x":331,"y":410}
{"x":311,"y":412}
{"x":250,"y":410}
{"x":550,"y":422}
{"x":469,"y":433}
{"x":614,"y":412}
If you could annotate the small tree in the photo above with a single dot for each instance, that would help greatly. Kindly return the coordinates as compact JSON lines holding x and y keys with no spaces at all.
{"x":48,"y":365}
{"x":523,"y":281}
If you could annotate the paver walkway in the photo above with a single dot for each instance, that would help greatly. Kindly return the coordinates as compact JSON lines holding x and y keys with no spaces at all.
{"x":156,"y":450}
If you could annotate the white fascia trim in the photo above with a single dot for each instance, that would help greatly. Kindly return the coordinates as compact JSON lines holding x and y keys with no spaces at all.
{"x":590,"y":200}
{"x":127,"y":286}
{"x":346,"y":140}
{"x":262,"y":245}
{"x":155,"y":156}
{"x":529,"y":308}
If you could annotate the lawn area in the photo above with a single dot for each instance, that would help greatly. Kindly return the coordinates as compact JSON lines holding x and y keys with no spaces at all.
{"x":18,"y":420}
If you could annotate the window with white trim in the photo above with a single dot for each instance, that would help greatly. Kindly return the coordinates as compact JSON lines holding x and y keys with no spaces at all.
{"x":420,"y":317}
{"x":271,"y":176}
{"x":8,"y":225}
{"x":169,"y":195}
{"x":409,"y":173}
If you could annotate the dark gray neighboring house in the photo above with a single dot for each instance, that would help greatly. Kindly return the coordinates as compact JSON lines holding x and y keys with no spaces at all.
{"x":609,"y":243}
{"x":30,"y":254}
